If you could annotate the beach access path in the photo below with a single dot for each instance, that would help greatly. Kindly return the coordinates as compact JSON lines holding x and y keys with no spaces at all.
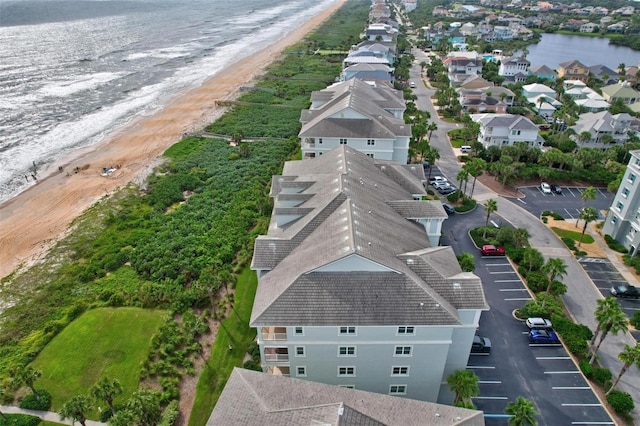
{"x":33,"y":221}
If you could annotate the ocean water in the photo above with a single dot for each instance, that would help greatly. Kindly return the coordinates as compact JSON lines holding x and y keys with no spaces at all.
{"x":72,"y":71}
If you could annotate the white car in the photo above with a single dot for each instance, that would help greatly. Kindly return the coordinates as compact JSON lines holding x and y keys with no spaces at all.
{"x":545,"y":188}
{"x":538,"y":323}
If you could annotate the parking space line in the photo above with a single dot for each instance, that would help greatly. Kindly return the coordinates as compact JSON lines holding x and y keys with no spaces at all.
{"x":630,"y":309}
{"x":570,"y":387}
{"x":505,"y":272}
{"x":489,"y":397}
{"x":570,"y":217}
{"x":553,"y":357}
{"x":507,"y":281}
{"x":490,"y":382}
{"x":481,"y":367}
{"x":563,"y":372}
{"x":581,"y":405}
{"x":571,"y":192}
{"x":513,"y":289}
{"x":602,"y":193}
{"x":518,"y":298}
{"x":498,"y":264}
{"x":592,"y":423}
{"x":544,"y":345}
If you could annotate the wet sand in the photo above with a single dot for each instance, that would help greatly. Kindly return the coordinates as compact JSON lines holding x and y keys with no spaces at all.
{"x":33,"y":221}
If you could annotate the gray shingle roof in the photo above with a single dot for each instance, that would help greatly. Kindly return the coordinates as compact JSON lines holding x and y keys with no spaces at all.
{"x":511,"y":121}
{"x":252,"y":398}
{"x":354,"y":212}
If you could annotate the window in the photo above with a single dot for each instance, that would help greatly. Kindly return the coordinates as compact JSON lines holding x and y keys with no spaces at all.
{"x":614,"y":220}
{"x":403,"y":351}
{"x":371,"y":141}
{"x":515,"y":132}
{"x":405,"y":330}
{"x":399,"y":371}
{"x":370,"y":155}
{"x":348,"y":386}
{"x":397,"y":390}
{"x":347,"y":371}
{"x":347,"y":351}
{"x":619,"y":206}
{"x":320,"y":141}
{"x":631,"y":178}
{"x":299,"y":331}
{"x":348,"y":330}
{"x":625,"y":192}
{"x":301,"y":371}
{"x":343,"y":141}
{"x":300,"y":351}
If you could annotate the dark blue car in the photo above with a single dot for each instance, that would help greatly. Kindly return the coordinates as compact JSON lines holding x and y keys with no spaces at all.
{"x":543,"y":336}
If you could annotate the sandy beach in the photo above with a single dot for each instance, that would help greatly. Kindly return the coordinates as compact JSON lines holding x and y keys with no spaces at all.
{"x":33,"y":221}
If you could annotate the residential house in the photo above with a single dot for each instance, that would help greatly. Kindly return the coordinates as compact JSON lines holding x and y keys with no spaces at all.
{"x":584,"y":96}
{"x":623,"y":219}
{"x":631,"y":75}
{"x":618,"y":27}
{"x":366,"y":116}
{"x":502,"y":33}
{"x":376,"y":53}
{"x":353,"y":289}
{"x":461,"y":67}
{"x":378,"y":72}
{"x":468,"y":29}
{"x":535,"y":89}
{"x":475,"y":94}
{"x":506,"y":129}
{"x":252,"y":398}
{"x":573,"y":70}
{"x":604,"y":73}
{"x":381,"y":32}
{"x":410,"y":5}
{"x":622,"y":91}
{"x":589,"y":27}
{"x":514,"y":69}
{"x":601,"y":124}
{"x":544,"y":72}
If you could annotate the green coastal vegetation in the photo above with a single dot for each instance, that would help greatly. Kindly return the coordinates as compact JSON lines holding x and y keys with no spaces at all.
{"x":147,"y":271}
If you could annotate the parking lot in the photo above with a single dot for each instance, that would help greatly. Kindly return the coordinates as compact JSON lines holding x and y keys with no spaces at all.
{"x":568,"y":204}
{"x":604,"y":275}
{"x":543,"y":373}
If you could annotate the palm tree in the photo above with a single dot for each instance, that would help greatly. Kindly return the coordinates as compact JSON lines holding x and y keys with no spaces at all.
{"x":522,"y":412}
{"x":587,"y":194}
{"x":554,"y":268}
{"x":630,"y":355}
{"x":467,"y":262}
{"x":145,"y":406}
{"x":622,"y":71}
{"x":28,"y":376}
{"x":491,"y":206}
{"x":431,"y":154}
{"x":475,"y":168}
{"x":106,"y":390}
{"x":520,"y":237}
{"x":611,"y":319}
{"x":463,"y":178}
{"x":584,"y":137}
{"x":431,"y":127}
{"x":123,"y":418}
{"x":76,"y":408}
{"x":532,"y":257}
{"x":465,"y":385}
{"x":588,"y":214}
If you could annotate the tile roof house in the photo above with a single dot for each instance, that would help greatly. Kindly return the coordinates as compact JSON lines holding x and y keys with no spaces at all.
{"x":514,"y":69}
{"x":585,"y":96}
{"x":353,"y":289}
{"x":370,"y":53}
{"x":367,"y":116}
{"x":600,"y":124}
{"x":543,"y":71}
{"x":488,"y":98}
{"x":573,"y":70}
{"x":604,"y":73}
{"x":251,"y":398}
{"x":379,"y":72}
{"x":460,"y":68}
{"x":506,"y":129}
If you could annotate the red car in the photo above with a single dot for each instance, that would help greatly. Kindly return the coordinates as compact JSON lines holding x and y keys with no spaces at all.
{"x":492,"y":251}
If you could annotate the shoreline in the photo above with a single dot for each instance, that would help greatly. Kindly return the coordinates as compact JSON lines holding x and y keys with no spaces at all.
{"x":34,"y":220}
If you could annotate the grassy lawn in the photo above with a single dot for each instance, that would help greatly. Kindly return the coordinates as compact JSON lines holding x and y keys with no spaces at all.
{"x":574,"y":235}
{"x":234,"y":331}
{"x":109,"y":342}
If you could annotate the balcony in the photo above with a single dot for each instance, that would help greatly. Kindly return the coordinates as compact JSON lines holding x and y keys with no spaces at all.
{"x":276,"y":355}
{"x":309,"y":143}
{"x":270,"y":334}
{"x":278,"y":371}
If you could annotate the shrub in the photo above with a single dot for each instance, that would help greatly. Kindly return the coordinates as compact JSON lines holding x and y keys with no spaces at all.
{"x":545,"y":220}
{"x":575,"y":336}
{"x":515,"y":254}
{"x":43,"y":403}
{"x":621,"y":402}
{"x":251,"y":365}
{"x":586,"y":368}
{"x":556,"y":216}
{"x":601,"y":375}
{"x":635,"y":320}
{"x":19,"y":420}
{"x":170,"y":414}
{"x":614,"y":245}
{"x":537,"y":281}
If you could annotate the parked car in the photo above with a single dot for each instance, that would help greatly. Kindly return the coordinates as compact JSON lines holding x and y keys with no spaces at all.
{"x":426,"y":165}
{"x":441,"y":185}
{"x":481,"y":345}
{"x":489,"y":250}
{"x":465,"y":149}
{"x":434,"y":179}
{"x":412,"y":84}
{"x":543,"y":336}
{"x":545,"y":188}
{"x":448,"y":208}
{"x":538,"y":323}
{"x":625,"y":291}
{"x":556,"y":189}
{"x":448,"y":189}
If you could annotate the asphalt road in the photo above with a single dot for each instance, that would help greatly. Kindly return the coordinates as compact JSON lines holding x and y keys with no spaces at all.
{"x":568,"y":204}
{"x":544,"y":374}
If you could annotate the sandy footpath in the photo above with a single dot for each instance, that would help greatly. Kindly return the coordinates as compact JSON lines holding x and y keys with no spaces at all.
{"x":31,"y":222}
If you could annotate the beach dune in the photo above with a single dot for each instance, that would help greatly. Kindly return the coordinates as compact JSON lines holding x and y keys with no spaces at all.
{"x":33,"y":221}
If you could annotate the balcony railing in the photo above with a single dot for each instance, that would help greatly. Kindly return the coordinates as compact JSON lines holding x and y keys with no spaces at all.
{"x":278,"y":371}
{"x":270,"y":334}
{"x":276,"y":357}
{"x":309,"y":143}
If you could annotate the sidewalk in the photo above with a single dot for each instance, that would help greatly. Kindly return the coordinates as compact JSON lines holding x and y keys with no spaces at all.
{"x":45,"y":415}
